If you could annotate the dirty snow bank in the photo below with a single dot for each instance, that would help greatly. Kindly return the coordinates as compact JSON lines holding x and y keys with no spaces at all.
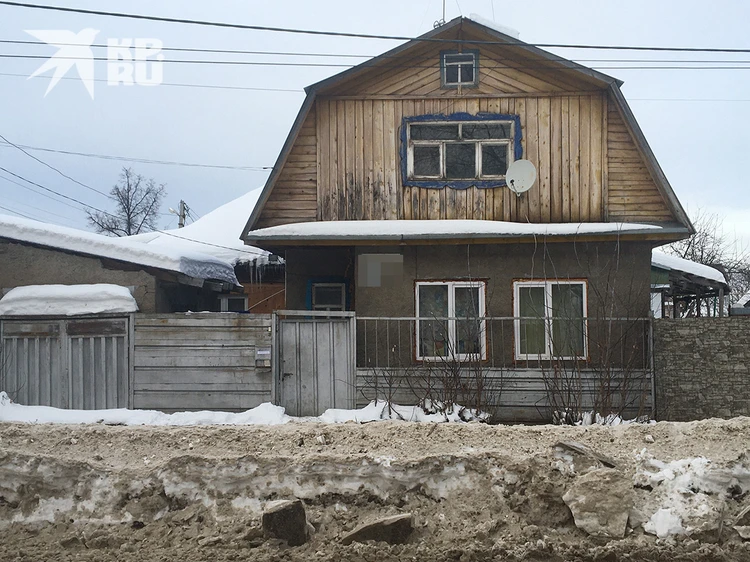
{"x":265,"y":414}
{"x":67,"y":300}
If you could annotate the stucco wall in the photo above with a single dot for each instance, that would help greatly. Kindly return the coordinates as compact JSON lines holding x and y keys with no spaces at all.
{"x":22,"y":265}
{"x":702,"y":367}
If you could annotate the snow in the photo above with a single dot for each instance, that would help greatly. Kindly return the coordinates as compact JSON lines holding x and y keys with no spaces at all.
{"x":398,"y":230}
{"x":496,"y":26}
{"x":216,"y":233}
{"x":265,"y":414}
{"x":666,"y":261}
{"x":169,"y":257}
{"x":67,"y":300}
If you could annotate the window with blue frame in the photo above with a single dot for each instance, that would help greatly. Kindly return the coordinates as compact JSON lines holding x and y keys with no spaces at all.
{"x":459,"y":150}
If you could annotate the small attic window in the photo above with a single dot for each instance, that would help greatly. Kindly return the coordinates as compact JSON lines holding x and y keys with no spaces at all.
{"x":459,"y":69}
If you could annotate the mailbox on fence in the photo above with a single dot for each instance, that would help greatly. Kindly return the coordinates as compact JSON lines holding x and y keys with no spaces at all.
{"x":263,"y":358}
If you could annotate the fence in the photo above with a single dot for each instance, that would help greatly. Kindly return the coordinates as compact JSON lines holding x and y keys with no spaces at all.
{"x":66,"y":363}
{"x":516,"y":369}
{"x":201,"y":361}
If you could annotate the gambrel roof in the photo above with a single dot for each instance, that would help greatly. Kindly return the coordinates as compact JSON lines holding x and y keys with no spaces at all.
{"x":630,"y":186}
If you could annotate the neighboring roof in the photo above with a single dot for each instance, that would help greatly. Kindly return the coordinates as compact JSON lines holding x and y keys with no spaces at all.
{"x":67,"y":300}
{"x":216,"y":233}
{"x":604,"y":80}
{"x":673,"y":263}
{"x":743,"y":301}
{"x":404,"y":230}
{"x":190,"y":263}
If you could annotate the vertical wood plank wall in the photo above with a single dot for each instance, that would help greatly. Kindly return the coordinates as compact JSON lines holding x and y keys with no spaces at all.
{"x":359,"y":167}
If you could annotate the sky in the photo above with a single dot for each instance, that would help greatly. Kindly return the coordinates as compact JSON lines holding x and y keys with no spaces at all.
{"x":694,"y":119}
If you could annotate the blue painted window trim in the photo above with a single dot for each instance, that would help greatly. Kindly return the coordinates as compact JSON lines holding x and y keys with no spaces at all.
{"x":457,"y":184}
{"x":328,"y":279}
{"x":474,"y":84}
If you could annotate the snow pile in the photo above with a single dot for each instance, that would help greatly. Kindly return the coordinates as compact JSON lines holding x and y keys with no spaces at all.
{"x":686,"y":495}
{"x":570,"y":417}
{"x":265,"y":414}
{"x":665,"y":261}
{"x":67,"y":300}
{"x":216,"y":233}
{"x":158,"y":255}
{"x":398,"y":230}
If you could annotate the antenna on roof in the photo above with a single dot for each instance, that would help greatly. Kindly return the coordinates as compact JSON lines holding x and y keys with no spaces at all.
{"x":440,"y":22}
{"x":520,"y":176}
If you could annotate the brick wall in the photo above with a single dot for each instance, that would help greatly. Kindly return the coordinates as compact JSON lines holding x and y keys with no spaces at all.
{"x":702,"y":368}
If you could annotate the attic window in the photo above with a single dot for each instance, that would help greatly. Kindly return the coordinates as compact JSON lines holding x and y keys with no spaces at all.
{"x":459,"y":69}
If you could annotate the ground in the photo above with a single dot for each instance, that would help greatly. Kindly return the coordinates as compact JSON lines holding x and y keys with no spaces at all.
{"x":477,"y":492}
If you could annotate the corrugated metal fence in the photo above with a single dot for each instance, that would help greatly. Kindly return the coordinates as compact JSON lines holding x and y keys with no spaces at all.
{"x":66,"y":363}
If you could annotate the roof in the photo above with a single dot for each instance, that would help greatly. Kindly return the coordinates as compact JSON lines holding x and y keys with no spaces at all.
{"x":216,"y":233}
{"x":605,"y":81}
{"x":67,"y":300}
{"x":668,"y":262}
{"x":398,"y":231}
{"x":160,"y":256}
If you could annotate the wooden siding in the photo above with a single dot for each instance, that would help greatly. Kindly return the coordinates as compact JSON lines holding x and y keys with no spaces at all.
{"x":294,"y":195}
{"x":200,"y":361}
{"x":632,"y":193}
{"x":359,"y":173}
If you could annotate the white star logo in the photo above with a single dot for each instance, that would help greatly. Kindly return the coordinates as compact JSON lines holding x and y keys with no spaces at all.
{"x":74,"y":49}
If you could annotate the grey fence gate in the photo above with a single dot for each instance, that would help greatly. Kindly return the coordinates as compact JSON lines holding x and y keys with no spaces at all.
{"x":315,"y":361}
{"x":79,"y":362}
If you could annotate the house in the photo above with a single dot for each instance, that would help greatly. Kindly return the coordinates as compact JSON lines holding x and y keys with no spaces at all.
{"x":162,"y":278}
{"x":389,"y":199}
{"x":216,"y":233}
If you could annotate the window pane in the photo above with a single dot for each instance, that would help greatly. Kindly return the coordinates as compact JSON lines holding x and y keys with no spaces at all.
{"x":427,"y":161}
{"x":486,"y":131}
{"x":468,"y":332}
{"x":494,"y":159}
{"x":451,"y":74}
{"x":460,"y":161}
{"x":531,"y":310}
{"x":236,"y":304}
{"x":433,"y":334}
{"x":567,"y":320}
{"x":467,"y":73}
{"x":434,"y":132}
{"x":459,"y":58}
{"x":328,"y":297}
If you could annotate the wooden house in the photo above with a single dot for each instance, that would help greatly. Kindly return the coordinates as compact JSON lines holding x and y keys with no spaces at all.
{"x":389,"y":199}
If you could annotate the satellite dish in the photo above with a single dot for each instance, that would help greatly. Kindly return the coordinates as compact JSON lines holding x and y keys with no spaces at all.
{"x":520,"y":176}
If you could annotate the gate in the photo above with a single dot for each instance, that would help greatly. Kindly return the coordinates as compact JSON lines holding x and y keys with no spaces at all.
{"x":81,"y":363}
{"x":315,"y":361}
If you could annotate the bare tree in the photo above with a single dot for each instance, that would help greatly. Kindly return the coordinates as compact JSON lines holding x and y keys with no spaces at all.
{"x":711,"y":246}
{"x":137,"y":202}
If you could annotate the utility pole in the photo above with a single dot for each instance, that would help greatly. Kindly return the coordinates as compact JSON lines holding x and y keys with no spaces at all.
{"x":182,"y":214}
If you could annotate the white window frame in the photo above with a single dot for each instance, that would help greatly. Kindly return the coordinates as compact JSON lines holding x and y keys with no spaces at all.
{"x":445,"y":64}
{"x":224,"y":302}
{"x":548,"y":354}
{"x":328,"y":307}
{"x":479,"y":143}
{"x":452,"y":340}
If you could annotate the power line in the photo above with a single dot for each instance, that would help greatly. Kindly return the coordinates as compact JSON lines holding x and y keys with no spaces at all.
{"x":210,"y":86}
{"x":356,"y":35}
{"x":145,"y":160}
{"x":17,"y":213}
{"x":55,"y":169}
{"x":41,"y":193}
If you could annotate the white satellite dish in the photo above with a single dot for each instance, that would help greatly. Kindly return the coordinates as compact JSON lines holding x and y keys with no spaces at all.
{"x":520,"y":176}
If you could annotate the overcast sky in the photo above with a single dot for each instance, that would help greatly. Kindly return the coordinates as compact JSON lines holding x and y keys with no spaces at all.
{"x":695,"y":120}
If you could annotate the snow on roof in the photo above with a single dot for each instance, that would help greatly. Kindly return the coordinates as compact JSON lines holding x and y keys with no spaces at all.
{"x":496,"y":26}
{"x":216,"y":233}
{"x":398,"y":230}
{"x":161,"y":256}
{"x":666,"y":261}
{"x":743,"y":300}
{"x":67,"y":300}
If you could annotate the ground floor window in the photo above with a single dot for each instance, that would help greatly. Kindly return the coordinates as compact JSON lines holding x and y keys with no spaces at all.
{"x":550,"y":319}
{"x":450,"y":321}
{"x":329,"y":296}
{"x":233,"y":303}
